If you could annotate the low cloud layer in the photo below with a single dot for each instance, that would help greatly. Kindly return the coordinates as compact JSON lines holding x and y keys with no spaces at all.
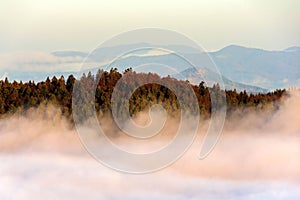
{"x":257,"y":157}
{"x":37,"y":61}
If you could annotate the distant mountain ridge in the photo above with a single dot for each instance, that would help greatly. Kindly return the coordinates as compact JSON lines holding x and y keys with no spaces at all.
{"x":268,"y":69}
{"x":252,"y":69}
{"x":193,"y":76}
{"x":249,"y":66}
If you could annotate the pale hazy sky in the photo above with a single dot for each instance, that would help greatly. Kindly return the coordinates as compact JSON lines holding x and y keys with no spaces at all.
{"x":48,"y":25}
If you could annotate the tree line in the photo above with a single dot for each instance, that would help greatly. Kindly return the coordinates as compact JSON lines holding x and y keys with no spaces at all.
{"x":18,"y":96}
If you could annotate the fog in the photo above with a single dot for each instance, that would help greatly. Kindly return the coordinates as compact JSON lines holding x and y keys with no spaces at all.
{"x":257,"y":157}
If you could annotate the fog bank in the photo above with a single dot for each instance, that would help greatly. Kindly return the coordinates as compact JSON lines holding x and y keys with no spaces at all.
{"x":257,"y":157}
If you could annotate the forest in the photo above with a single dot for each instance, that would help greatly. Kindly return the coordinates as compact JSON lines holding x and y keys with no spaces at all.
{"x":19,"y":97}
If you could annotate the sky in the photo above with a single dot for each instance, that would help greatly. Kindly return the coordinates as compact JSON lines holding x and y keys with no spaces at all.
{"x":49,"y":25}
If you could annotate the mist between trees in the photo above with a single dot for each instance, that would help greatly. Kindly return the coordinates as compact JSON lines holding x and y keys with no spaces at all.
{"x":17,"y":97}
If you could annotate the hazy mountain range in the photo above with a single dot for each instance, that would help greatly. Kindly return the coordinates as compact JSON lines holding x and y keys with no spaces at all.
{"x":252,"y":69}
{"x":268,"y":69}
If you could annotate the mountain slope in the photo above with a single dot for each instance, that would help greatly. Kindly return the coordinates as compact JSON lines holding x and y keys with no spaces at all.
{"x":269,"y":69}
{"x":210,"y":78}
